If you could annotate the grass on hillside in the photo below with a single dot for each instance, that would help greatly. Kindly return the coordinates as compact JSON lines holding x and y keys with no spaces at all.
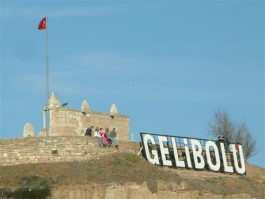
{"x":121,"y":168}
{"x":118,"y":168}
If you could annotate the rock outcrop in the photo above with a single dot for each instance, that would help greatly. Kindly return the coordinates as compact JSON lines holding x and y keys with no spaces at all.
{"x":135,"y":191}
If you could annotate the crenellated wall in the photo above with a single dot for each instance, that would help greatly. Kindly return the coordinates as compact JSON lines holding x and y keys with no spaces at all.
{"x":55,"y":148}
{"x":65,"y":121}
{"x":70,"y":122}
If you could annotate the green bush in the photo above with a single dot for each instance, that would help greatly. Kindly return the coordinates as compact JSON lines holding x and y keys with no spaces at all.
{"x":35,"y":193}
{"x":5,"y":193}
{"x":33,"y":187}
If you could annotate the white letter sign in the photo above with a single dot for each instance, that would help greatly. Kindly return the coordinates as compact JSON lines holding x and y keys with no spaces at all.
{"x":193,"y":153}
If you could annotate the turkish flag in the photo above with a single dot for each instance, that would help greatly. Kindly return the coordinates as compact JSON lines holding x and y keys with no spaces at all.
{"x":42,"y":24}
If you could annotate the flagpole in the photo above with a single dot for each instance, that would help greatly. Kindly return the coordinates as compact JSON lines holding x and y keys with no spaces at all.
{"x":47,"y":81}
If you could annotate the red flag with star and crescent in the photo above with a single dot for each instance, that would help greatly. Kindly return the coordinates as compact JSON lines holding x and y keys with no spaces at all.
{"x":42,"y":25}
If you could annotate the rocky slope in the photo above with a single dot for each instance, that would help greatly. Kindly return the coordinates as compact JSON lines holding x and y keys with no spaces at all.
{"x":125,"y":176}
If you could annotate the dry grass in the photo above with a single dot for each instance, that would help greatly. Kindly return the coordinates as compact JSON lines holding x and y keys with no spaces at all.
{"x":126,"y":167}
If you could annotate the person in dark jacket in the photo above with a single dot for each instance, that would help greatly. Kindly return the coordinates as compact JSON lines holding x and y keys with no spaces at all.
{"x":89,"y":131}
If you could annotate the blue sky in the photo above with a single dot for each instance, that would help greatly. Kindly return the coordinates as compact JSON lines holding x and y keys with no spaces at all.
{"x":169,"y":65}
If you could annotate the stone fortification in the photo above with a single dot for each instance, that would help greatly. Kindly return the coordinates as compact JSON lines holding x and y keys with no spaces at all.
{"x":54,"y":149}
{"x":66,"y":121}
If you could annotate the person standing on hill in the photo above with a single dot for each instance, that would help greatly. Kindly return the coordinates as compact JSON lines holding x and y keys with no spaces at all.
{"x":103,"y":137}
{"x":98,"y":137}
{"x":107,"y":133}
{"x":89,"y":131}
{"x":114,"y":138}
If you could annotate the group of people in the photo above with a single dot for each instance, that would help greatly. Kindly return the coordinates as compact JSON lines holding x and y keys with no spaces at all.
{"x":224,"y":140}
{"x":105,"y":138}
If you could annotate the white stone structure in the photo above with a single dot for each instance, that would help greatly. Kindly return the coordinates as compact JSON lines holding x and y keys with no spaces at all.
{"x":28,"y":130}
{"x":113,"y":109}
{"x":85,"y":106}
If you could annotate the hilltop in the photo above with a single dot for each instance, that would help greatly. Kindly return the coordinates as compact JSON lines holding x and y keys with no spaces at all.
{"x":125,"y":175}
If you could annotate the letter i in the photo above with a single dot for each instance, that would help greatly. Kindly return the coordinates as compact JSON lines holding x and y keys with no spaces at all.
{"x":187,"y":153}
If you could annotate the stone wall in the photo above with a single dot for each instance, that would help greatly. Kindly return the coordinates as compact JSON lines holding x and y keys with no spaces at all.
{"x":65,"y":121}
{"x":70,"y":122}
{"x":54,"y":149}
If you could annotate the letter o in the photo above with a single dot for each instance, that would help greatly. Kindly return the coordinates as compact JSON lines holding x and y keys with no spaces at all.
{"x":209,"y":144}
